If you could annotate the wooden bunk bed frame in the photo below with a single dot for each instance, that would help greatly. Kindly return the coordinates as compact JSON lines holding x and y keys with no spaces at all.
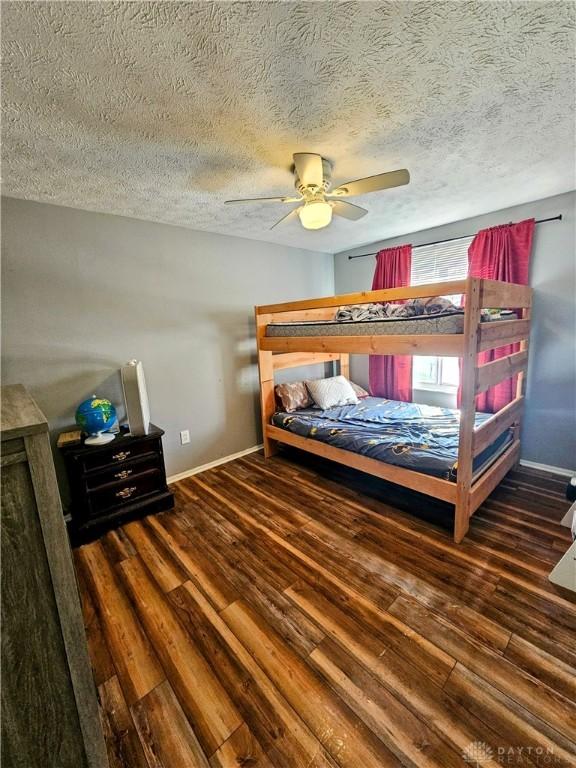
{"x":278,"y":353}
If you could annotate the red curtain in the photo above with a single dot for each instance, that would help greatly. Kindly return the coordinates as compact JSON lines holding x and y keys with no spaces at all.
{"x":501,"y":253}
{"x":391,"y":375}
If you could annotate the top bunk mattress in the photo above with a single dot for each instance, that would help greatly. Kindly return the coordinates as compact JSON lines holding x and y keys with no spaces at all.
{"x":443,"y":322}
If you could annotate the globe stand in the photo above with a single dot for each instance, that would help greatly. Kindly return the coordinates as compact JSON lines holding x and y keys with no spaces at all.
{"x":100,"y":439}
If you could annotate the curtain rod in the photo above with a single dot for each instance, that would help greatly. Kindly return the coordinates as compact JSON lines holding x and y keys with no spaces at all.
{"x":448,"y":239}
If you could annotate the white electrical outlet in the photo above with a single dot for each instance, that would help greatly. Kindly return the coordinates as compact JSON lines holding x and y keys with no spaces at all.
{"x":184,"y":436}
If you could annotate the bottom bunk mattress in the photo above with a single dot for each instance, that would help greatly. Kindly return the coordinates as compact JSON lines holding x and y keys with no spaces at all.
{"x":423,"y":438}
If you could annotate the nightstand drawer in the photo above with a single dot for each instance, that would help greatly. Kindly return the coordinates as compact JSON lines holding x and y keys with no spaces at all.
{"x":125,"y":492}
{"x":126,"y":471}
{"x":119,"y":454}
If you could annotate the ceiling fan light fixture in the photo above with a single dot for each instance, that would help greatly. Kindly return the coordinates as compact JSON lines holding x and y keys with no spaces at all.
{"x":315,"y":214}
{"x":318,"y":202}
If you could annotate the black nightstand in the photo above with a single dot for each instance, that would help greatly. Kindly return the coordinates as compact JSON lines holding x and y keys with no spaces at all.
{"x":113,"y":483}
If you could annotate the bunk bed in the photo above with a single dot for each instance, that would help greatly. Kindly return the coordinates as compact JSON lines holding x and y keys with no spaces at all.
{"x":470,"y":488}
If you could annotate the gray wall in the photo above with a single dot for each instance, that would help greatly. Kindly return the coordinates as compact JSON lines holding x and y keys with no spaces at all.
{"x":550,"y":425}
{"x":85,"y":292}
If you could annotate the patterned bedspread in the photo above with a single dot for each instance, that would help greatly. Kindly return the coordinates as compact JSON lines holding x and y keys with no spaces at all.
{"x":419,"y":437}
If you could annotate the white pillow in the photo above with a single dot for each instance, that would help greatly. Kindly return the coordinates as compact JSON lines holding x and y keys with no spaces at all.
{"x":327,"y":393}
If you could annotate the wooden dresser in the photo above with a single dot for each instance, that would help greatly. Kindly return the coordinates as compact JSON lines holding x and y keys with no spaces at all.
{"x":49,"y":706}
{"x":116,"y":482}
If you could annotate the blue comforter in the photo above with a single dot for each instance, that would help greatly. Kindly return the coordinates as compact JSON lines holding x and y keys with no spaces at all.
{"x":419,"y":437}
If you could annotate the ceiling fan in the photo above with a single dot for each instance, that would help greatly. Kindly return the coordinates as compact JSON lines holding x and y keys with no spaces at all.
{"x":312,"y":179}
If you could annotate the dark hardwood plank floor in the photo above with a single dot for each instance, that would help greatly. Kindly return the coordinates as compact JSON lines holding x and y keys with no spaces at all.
{"x":291,"y":613}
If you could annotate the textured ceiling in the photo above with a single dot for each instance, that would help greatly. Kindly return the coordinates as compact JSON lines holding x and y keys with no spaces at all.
{"x":164,"y":110}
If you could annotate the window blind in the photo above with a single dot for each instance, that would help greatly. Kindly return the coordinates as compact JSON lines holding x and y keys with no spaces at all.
{"x":440,"y":262}
{"x":436,"y":264}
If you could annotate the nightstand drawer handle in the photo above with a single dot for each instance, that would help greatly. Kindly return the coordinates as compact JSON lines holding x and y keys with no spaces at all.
{"x":125,"y":493}
{"x":124,"y":474}
{"x":121,"y":456}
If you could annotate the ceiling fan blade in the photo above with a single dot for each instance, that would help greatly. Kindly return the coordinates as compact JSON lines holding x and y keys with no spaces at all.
{"x":264,"y":200}
{"x":289,"y":217}
{"x":309,"y":168}
{"x":373,"y":183}
{"x":347,"y":210}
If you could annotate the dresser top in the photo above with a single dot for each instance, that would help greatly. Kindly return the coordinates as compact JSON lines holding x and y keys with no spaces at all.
{"x":19,"y":414}
{"x":123,"y":438}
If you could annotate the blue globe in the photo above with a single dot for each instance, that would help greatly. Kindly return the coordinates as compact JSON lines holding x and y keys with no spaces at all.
{"x":95,"y":415}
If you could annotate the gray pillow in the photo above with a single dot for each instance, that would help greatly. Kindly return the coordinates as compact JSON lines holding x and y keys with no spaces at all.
{"x":328,"y":393}
{"x":360,"y":391}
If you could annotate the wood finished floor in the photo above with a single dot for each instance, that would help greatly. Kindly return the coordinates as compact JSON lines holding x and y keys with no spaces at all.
{"x":279,"y":618}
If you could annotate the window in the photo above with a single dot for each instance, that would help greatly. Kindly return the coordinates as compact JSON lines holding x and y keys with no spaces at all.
{"x":439,"y":373}
{"x":435,"y":264}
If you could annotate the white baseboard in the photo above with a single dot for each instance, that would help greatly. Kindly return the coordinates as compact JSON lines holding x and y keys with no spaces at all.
{"x":548,"y":468}
{"x":211,"y":464}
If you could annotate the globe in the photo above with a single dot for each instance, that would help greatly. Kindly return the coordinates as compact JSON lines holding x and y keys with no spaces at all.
{"x":94,"y":416}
